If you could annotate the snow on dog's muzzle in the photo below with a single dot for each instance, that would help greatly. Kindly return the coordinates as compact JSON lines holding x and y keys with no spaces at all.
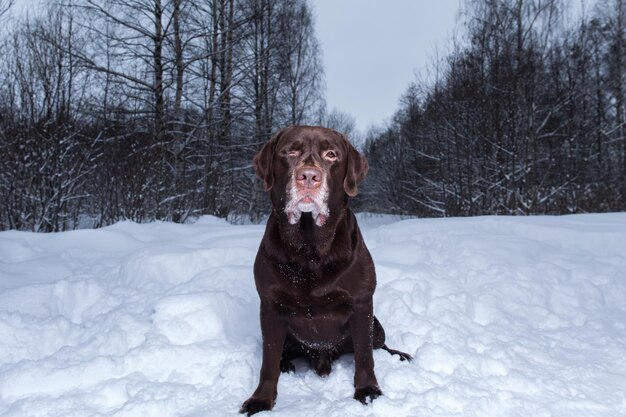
{"x":307,"y":192}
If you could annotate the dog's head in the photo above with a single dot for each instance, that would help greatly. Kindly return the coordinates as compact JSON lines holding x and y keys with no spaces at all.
{"x":309,"y":169}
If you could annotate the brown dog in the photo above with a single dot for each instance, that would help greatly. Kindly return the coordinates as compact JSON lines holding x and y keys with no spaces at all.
{"x":313,"y":273}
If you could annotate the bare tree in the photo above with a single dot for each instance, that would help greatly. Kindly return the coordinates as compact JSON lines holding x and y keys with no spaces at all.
{"x":515,"y":120}
{"x":166,"y":101}
{"x":342,"y":122}
{"x":49,"y":158}
{"x":615,"y":32}
{"x":301,"y":70}
{"x":5,"y":6}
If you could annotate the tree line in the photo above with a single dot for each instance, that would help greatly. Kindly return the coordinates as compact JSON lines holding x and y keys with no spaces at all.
{"x":148,"y":109}
{"x":525,"y":116}
{"x":152,"y":110}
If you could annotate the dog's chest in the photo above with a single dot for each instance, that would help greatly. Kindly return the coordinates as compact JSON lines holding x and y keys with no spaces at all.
{"x":310,"y":292}
{"x":319,"y":321}
{"x":303,"y":277}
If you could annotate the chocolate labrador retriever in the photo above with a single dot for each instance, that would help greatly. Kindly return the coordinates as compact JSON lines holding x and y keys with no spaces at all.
{"x":313,"y":273}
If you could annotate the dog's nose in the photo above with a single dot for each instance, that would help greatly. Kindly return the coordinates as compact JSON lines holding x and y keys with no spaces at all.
{"x":309,"y":177}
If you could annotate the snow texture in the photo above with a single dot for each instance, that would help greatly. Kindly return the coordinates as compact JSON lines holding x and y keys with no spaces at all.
{"x":505,"y":317}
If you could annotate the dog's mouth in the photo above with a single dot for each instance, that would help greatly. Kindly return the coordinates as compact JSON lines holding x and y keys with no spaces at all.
{"x":303,"y":199}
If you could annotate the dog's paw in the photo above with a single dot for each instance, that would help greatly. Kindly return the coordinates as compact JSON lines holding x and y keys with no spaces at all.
{"x":322,"y":367}
{"x":255,"y":405}
{"x":286,"y":366}
{"x":362,"y":394}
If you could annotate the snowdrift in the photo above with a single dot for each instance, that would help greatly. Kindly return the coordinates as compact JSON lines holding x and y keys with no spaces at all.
{"x":505,"y":317}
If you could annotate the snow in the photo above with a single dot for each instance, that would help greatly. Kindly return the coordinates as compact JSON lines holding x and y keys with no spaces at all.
{"x":506,"y":316}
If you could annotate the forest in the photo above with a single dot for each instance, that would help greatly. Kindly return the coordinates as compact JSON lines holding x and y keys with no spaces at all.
{"x":525,"y":116}
{"x":152,"y":110}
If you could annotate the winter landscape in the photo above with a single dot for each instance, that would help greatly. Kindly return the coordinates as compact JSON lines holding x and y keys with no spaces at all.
{"x":130,"y":212}
{"x":505,"y":316}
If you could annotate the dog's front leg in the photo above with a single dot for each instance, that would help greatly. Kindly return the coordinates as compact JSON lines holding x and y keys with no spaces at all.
{"x":274,"y":331}
{"x":362,"y":334}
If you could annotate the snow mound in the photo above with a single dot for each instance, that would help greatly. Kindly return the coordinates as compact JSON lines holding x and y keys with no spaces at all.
{"x":505,"y":317}
{"x":193,"y":318}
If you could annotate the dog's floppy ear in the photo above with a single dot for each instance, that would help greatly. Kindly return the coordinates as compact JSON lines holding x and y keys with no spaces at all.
{"x":356,"y":169}
{"x":263,"y":161}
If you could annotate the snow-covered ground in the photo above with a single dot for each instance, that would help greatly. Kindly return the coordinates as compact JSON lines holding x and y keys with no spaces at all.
{"x":505,"y":317}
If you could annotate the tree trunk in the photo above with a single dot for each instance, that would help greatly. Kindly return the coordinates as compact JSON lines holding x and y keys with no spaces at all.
{"x":159,"y":111}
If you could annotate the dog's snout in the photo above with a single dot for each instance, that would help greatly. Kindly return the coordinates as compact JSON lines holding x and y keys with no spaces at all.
{"x":309,"y":177}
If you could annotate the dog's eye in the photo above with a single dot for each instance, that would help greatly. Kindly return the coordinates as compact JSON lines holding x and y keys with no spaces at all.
{"x":330,"y":155}
{"x":293,"y":153}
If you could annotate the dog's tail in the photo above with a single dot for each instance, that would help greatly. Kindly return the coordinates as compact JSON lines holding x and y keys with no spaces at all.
{"x":403,"y":356}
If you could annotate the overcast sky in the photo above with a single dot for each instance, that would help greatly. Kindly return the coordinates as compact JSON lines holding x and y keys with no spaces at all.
{"x":372,"y":50}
